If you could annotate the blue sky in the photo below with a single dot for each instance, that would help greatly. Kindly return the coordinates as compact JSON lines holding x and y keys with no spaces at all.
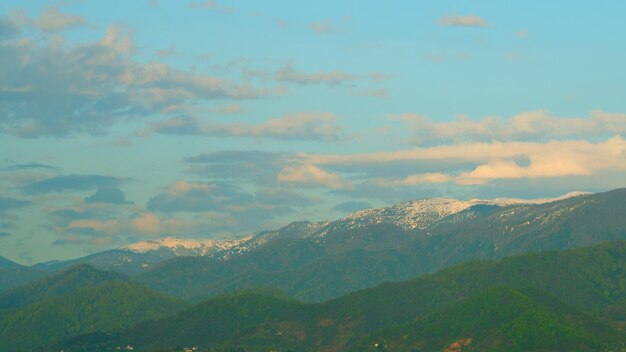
{"x":124,"y":121}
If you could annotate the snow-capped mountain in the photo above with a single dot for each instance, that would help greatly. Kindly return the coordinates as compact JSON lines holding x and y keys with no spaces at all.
{"x":415,"y":214}
{"x":425,"y":212}
{"x":418,"y":215}
{"x":422,"y":213}
{"x":185,"y":247}
{"x":412,"y":215}
{"x":323,"y":260}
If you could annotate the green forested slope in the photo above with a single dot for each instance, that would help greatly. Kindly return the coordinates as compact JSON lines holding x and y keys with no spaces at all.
{"x":114,"y":305}
{"x":573,"y":294}
{"x":66,"y":281}
{"x":499,"y":319}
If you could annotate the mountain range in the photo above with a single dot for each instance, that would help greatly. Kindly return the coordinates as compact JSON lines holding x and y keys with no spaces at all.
{"x":319,"y":261}
{"x":315,"y":261}
{"x":342,"y":285}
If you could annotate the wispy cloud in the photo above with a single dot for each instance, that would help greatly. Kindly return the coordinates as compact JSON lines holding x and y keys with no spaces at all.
{"x":307,"y":175}
{"x":225,"y":206}
{"x":51,"y":19}
{"x":154,"y":224}
{"x":289,"y":75}
{"x":370,"y":93}
{"x":212,"y":5}
{"x":7,"y":203}
{"x":463,"y":21}
{"x":251,"y":165}
{"x":527,"y":126}
{"x":194,"y":197}
{"x":71,"y":183}
{"x":86,"y":88}
{"x":523,"y":33}
{"x":322,"y":27}
{"x":27,"y":166}
{"x":297,"y":126}
{"x":416,"y":179}
{"x":108,"y":195}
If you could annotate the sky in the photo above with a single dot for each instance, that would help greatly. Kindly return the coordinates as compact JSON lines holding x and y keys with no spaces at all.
{"x":124,"y":121}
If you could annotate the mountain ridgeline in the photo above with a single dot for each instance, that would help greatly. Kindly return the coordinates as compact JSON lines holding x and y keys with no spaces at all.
{"x":6,"y":263}
{"x":320,"y":261}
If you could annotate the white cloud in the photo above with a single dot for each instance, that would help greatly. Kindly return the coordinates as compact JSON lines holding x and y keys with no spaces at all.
{"x":312,"y":176}
{"x":495,"y":160}
{"x":53,"y":20}
{"x":148,"y":223}
{"x":181,"y":187}
{"x":86,"y":88}
{"x":415,"y":179}
{"x":152,"y":224}
{"x":532,"y":125}
{"x":50,"y":20}
{"x":463,"y":21}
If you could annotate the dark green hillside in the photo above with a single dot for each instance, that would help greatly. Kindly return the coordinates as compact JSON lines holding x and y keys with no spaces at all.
{"x":199,"y":276}
{"x":333,"y":276}
{"x":589,"y":280}
{"x":288,"y":254}
{"x":6,"y":263}
{"x":16,"y":276}
{"x":114,"y":305}
{"x":616,"y":313}
{"x":499,"y":319}
{"x":68,"y":280}
{"x":220,"y":319}
{"x":350,"y":260}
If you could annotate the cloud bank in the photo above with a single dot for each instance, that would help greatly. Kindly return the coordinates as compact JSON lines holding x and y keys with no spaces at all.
{"x":87,"y":88}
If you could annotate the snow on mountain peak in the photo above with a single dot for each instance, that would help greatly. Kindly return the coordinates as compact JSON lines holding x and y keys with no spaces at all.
{"x":424,"y":212}
{"x":185,"y":247}
{"x":414,"y":214}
